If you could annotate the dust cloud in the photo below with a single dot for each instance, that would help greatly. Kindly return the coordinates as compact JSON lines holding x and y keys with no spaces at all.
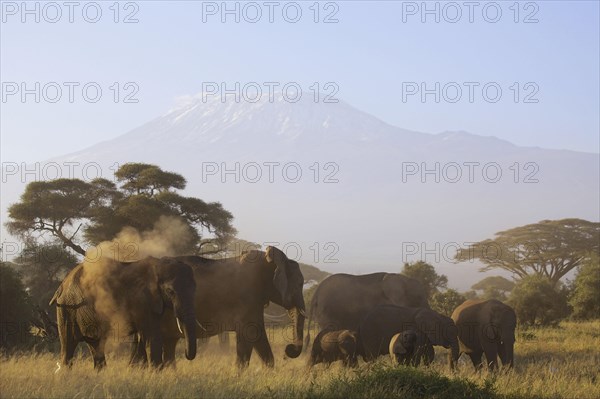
{"x":105,"y":278}
{"x":168,"y":237}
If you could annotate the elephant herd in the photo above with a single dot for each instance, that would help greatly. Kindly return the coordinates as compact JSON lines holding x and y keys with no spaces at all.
{"x":159,"y":301}
{"x":388,"y":314}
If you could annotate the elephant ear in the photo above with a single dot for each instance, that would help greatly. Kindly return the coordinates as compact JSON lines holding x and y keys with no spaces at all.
{"x":69,"y":292}
{"x":394,"y":289}
{"x":280,"y":279}
{"x":396,"y":346}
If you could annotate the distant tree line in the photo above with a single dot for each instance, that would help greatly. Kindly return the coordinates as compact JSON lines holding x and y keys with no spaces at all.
{"x":539,"y":256}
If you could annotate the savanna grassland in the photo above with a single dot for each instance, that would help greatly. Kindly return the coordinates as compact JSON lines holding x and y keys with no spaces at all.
{"x":561,"y":362}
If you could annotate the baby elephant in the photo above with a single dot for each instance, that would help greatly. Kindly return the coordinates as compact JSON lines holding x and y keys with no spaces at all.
{"x":409,"y":347}
{"x":330,"y":346}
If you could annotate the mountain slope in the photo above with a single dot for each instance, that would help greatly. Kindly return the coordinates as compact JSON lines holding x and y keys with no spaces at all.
{"x":356,"y":205}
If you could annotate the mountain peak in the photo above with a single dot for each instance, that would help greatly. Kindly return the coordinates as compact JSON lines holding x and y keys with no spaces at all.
{"x":207,"y":119}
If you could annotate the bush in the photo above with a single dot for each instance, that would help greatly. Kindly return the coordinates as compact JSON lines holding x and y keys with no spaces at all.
{"x":445,"y":302}
{"x":585,"y":298}
{"x":537,"y":301}
{"x":15,"y":309}
{"x":42,"y":268}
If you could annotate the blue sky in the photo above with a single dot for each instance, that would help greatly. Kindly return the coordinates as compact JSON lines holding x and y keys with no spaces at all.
{"x":369,"y":54}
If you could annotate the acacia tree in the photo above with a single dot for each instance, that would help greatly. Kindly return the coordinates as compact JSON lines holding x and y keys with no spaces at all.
{"x":550,"y":248}
{"x":77,"y":212}
{"x":57,"y":206}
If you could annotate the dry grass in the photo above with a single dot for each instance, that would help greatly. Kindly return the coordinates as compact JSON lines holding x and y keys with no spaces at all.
{"x":550,"y":363}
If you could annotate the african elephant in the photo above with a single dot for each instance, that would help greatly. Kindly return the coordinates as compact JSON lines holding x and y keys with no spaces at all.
{"x":409,"y":347}
{"x":97,"y":299}
{"x":330,"y":346}
{"x":383,"y":322}
{"x":486,"y":327}
{"x":232,"y":294}
{"x":342,"y":300}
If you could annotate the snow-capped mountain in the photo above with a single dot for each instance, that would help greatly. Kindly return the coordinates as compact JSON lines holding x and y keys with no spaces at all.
{"x":371,"y":195}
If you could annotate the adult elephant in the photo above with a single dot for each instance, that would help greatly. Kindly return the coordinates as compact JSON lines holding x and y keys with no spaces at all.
{"x":486,"y":327}
{"x":342,"y":300}
{"x":383,"y":322}
{"x":106,"y":297}
{"x":232,"y":294}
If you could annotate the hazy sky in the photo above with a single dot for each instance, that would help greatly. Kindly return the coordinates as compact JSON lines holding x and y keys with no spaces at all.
{"x":371,"y":55}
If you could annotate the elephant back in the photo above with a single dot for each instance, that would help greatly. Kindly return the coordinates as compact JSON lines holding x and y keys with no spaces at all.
{"x":469,"y":311}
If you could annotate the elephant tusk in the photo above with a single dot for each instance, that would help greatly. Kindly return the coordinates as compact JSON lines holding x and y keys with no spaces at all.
{"x":277,"y":318}
{"x":179,"y":325}
{"x":200,"y":325}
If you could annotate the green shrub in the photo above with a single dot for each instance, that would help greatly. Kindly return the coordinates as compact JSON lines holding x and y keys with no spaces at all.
{"x":585,"y":298}
{"x":537,"y":301}
{"x":15,"y":309}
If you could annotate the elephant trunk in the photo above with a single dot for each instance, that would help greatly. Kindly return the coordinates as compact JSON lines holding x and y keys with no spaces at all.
{"x":190,"y":338}
{"x":188,"y":322}
{"x":509,"y":354}
{"x":454,"y":353}
{"x":508,"y":343}
{"x":297,"y":314}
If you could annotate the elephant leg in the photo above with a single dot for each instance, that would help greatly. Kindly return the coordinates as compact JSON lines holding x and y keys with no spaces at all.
{"x":97,"y":350}
{"x":169,"y":346}
{"x":502,"y":352}
{"x":263,"y":348}
{"x":491,"y":355}
{"x":156,"y":349}
{"x":349,"y":361}
{"x":423,"y":353}
{"x":413,"y":359}
{"x":67,"y":353}
{"x":67,"y":336}
{"x":316,"y":356}
{"x":138,"y":351}
{"x":224,"y":341}
{"x":203,"y":344}
{"x":476,"y":359}
{"x":243,"y":349}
